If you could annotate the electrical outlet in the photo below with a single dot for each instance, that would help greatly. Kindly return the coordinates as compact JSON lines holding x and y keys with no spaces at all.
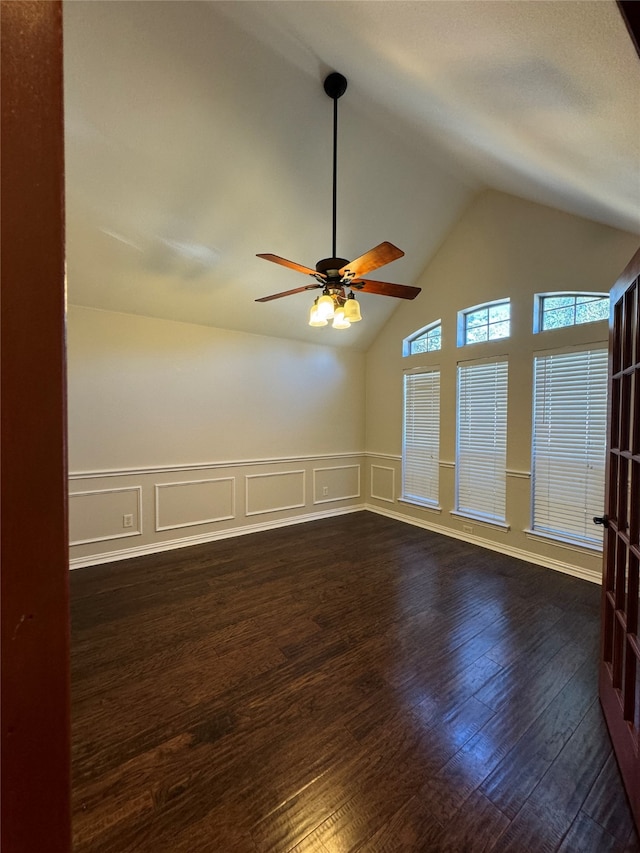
{"x":325,"y":491}
{"x":467,"y":528}
{"x":127,"y":520}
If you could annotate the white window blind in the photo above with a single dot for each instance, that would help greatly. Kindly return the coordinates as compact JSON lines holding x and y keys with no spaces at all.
{"x":421,"y":437}
{"x":569,"y":444}
{"x":481,"y":446}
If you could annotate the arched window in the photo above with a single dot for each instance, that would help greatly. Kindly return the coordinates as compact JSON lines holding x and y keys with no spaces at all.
{"x":558,"y":310}
{"x":428,"y":339}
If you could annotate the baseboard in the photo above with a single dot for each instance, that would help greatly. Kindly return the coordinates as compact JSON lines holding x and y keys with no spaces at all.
{"x":509,"y":551}
{"x":186,"y":541}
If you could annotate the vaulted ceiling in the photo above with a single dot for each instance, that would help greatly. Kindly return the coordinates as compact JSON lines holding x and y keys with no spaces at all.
{"x":198,"y":134}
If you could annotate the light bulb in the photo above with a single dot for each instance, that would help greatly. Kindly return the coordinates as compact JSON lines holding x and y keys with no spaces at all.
{"x":339,"y":320}
{"x":314,"y":318}
{"x":326,"y":307}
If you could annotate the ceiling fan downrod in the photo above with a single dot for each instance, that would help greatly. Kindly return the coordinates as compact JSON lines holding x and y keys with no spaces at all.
{"x":336,"y":275}
{"x":335,"y":85}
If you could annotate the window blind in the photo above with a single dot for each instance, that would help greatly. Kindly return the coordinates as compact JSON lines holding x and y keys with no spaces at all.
{"x":481,"y":445}
{"x":569,"y":444}
{"x":421,"y":437}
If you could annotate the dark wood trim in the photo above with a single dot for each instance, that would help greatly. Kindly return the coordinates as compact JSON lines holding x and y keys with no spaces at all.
{"x":630,"y":11}
{"x":34,"y":584}
{"x":619,"y":594}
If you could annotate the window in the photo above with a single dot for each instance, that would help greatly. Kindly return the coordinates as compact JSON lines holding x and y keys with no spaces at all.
{"x":488,"y":322}
{"x":557,"y":310}
{"x":481,"y":441}
{"x":428,"y":339}
{"x":421,"y":437}
{"x":569,"y":441}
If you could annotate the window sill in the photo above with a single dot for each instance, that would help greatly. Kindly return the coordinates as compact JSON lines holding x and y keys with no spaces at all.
{"x":564,"y":541}
{"x":422,"y":504}
{"x":483,"y":520}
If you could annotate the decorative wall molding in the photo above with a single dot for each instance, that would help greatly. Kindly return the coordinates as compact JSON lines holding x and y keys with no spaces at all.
{"x":186,"y":541}
{"x":207,"y":466}
{"x":134,"y":531}
{"x":332,"y":498}
{"x":169,"y":504}
{"x":186,"y":483}
{"x":393,"y":483}
{"x":249,"y":478}
{"x":289,"y":497}
{"x":396,"y":456}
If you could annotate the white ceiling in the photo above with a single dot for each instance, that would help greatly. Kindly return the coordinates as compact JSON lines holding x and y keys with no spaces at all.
{"x":198,"y":134}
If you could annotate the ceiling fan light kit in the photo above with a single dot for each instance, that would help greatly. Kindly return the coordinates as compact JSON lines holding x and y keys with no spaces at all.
{"x":335,"y":275}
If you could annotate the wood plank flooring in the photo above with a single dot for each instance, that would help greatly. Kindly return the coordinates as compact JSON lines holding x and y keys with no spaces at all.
{"x":350,"y":684}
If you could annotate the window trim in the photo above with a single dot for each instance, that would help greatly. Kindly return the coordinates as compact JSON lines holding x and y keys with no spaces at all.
{"x":462,"y":321}
{"x":538,"y":305}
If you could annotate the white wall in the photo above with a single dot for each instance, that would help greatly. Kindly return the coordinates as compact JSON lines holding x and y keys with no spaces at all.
{"x":179,"y":425}
{"x":501,"y":247}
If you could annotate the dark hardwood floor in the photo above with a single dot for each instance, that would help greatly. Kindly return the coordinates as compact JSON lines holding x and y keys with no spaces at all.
{"x":350,"y":684}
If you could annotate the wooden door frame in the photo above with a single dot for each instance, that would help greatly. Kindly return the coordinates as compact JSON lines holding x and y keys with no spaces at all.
{"x":35,"y":718}
{"x":630,"y":11}
{"x":620,"y":729}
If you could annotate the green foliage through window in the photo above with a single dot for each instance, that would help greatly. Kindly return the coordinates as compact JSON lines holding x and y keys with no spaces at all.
{"x":487,"y":323}
{"x":571,"y":309}
{"x":427,"y":340}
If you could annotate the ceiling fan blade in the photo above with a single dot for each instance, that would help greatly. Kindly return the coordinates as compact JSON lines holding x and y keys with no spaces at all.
{"x":276,"y":259}
{"x":385,"y":288}
{"x":288,"y":292}
{"x":373,"y":259}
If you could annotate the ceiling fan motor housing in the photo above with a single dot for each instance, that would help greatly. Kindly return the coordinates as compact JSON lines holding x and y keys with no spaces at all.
{"x":331,"y":267}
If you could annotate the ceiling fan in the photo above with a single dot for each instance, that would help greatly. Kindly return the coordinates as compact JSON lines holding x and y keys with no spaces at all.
{"x":337,"y":275}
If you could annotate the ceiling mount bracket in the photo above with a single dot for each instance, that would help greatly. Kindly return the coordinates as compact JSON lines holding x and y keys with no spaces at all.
{"x":335,"y":85}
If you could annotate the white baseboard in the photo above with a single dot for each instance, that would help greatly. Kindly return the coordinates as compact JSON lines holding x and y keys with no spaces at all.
{"x":509,"y":551}
{"x":184,"y":542}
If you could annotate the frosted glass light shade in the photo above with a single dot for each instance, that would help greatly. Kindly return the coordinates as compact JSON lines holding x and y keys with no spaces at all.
{"x":339,"y":320}
{"x":352,"y":310}
{"x":326,"y":308}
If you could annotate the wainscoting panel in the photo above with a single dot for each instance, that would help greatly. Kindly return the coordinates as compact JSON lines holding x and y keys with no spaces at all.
{"x":194,"y":502}
{"x":173,"y":506}
{"x":104,"y":514}
{"x":337,"y":483}
{"x":274,"y":492}
{"x":383,"y":483}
